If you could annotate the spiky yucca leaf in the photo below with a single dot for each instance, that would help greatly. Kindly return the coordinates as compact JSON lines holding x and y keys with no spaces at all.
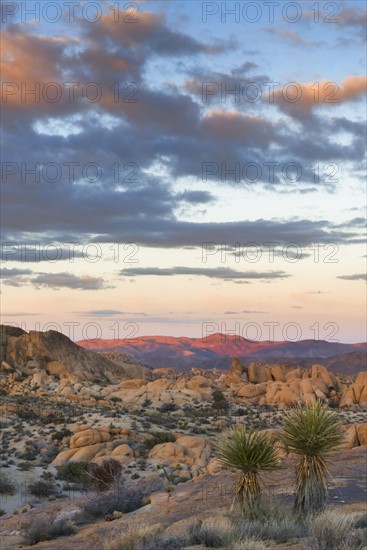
{"x":250,"y":452}
{"x":311,"y":432}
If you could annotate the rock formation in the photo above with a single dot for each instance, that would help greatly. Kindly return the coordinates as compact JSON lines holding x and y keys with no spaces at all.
{"x":54,"y":354}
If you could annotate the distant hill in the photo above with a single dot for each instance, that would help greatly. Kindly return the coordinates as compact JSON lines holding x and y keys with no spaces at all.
{"x":216,"y":350}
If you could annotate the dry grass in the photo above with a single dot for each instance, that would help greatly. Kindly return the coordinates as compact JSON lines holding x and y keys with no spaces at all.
{"x":333,"y":530}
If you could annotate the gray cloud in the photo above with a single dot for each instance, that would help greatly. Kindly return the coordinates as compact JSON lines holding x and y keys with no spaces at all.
{"x":247,"y":311}
{"x":109,"y":312}
{"x":69,"y":280}
{"x":225,"y":273}
{"x":355,"y":277}
{"x":20,"y":277}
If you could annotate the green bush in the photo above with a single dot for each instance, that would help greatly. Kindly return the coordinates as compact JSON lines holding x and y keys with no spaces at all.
{"x":59,"y":436}
{"x":74,"y":472}
{"x":42,"y":489}
{"x":7,"y":486}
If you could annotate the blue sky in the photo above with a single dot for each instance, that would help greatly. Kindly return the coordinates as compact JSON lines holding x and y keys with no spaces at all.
{"x":153,"y":178}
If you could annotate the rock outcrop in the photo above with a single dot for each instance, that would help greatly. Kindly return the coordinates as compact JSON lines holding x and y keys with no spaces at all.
{"x":357,"y":393}
{"x":284,"y":385}
{"x":54,"y":354}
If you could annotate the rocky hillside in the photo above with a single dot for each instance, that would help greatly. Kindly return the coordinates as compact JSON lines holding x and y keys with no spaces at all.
{"x":54,"y":354}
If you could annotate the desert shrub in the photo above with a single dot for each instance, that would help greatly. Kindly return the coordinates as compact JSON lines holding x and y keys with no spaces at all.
{"x":279,"y":528}
{"x":47,"y":529}
{"x":211,"y":533}
{"x":125,"y":497}
{"x":146,"y":538}
{"x":74,"y":472}
{"x":2,"y":512}
{"x":162,"y":420}
{"x":7,"y":486}
{"x":219,"y":401}
{"x":250,"y":544}
{"x":106,"y":474}
{"x":167,"y":407}
{"x":25,"y":466}
{"x":59,"y":435}
{"x":42,"y":488}
{"x":333,"y":530}
{"x":156,"y":438}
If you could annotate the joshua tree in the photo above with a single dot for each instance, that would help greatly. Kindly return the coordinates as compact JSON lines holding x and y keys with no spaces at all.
{"x":311,"y":432}
{"x":252,"y":453}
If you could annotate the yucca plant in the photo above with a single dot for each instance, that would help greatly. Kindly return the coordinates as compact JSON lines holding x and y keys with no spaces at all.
{"x":252,"y":453}
{"x":312,"y":432}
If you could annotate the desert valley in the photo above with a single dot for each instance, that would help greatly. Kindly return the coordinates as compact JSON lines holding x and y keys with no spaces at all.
{"x":99,"y":447}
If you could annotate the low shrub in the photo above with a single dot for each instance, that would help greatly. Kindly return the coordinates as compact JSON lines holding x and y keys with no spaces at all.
{"x":333,"y":530}
{"x":277,"y":524}
{"x":74,"y":472}
{"x":146,"y":538}
{"x":47,"y":529}
{"x":7,"y":486}
{"x":104,"y":475}
{"x":125,"y":497}
{"x":212,"y":533}
{"x":42,"y":488}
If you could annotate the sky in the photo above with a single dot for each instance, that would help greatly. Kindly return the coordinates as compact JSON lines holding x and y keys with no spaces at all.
{"x":183,"y":168}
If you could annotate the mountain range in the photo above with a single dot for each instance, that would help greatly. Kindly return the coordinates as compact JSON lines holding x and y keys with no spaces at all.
{"x":215,"y":351}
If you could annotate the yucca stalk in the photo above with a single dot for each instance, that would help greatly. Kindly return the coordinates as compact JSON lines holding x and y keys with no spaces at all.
{"x":250,"y":452}
{"x":312,"y":432}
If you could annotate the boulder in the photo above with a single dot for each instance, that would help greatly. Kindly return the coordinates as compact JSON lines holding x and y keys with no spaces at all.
{"x":297,"y":372}
{"x":199,"y":383}
{"x":277,"y":373}
{"x":193,"y":451}
{"x":360,"y":389}
{"x":361,"y":430}
{"x":350,"y":437}
{"x":237,"y":368}
{"x":123,"y":453}
{"x":258,"y":372}
{"x":89,"y":436}
{"x":251,"y":391}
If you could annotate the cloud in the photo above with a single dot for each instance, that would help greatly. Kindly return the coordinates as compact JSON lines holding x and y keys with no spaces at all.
{"x":355,"y":277}
{"x":354,"y":17}
{"x":247,"y":311}
{"x":69,"y":280}
{"x":21,"y":277}
{"x":20,"y":314}
{"x":294,"y":38}
{"x":14,"y":276}
{"x":225,"y":273}
{"x":298,"y":101}
{"x":108,"y":312}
